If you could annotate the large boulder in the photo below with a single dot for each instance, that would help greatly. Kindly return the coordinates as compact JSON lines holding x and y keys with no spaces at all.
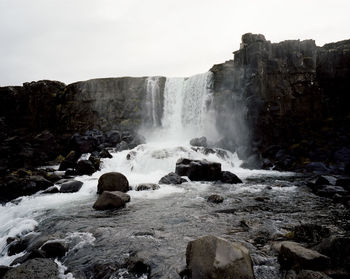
{"x":85,"y":167}
{"x":55,"y":248}
{"x":71,"y":186}
{"x":202,"y":141}
{"x":171,"y":178}
{"x":111,"y":200}
{"x":293,"y":255}
{"x":112,"y":181}
{"x":197,"y":170}
{"x":70,"y":161}
{"x":229,"y":178}
{"x":34,"y":269}
{"x":217,"y":258}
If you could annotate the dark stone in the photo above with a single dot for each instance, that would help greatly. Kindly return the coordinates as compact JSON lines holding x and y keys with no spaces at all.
{"x":293,"y":255}
{"x":343,"y":182}
{"x":51,"y":190}
{"x":215,"y":199}
{"x":96,"y":162}
{"x":111,"y":200}
{"x":70,"y":161}
{"x":197,"y":170}
{"x":310,"y":233}
{"x":33,"y":254}
{"x":147,"y":187}
{"x":3,"y":270}
{"x":105,"y":154}
{"x":216,"y":258}
{"x":55,"y":249}
{"x":138,"y":265}
{"x":113,"y":137}
{"x":112,"y":181}
{"x":85,"y":167}
{"x":34,"y":269}
{"x":330,"y":191}
{"x":172,"y":178}
{"x":71,"y":187}
{"x":317,"y":167}
{"x":202,"y":141}
{"x":229,"y":177}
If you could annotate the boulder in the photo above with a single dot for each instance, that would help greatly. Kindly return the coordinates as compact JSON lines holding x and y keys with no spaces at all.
{"x":112,"y":181}
{"x":147,"y":186}
{"x":85,"y":167}
{"x":229,"y":178}
{"x":202,"y":141}
{"x":70,"y":161}
{"x":215,"y":199}
{"x":105,"y":154}
{"x":310,"y":233}
{"x":172,"y":178}
{"x":293,"y":255}
{"x":317,"y":167}
{"x":217,"y":258}
{"x":34,"y":269}
{"x":111,"y":200}
{"x":32,"y":254}
{"x":197,"y":170}
{"x":113,"y":137}
{"x":96,"y":162}
{"x":137,"y":265}
{"x":55,"y":248}
{"x":71,"y":187}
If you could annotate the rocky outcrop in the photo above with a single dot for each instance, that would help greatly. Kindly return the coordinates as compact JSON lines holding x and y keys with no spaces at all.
{"x":291,"y":94}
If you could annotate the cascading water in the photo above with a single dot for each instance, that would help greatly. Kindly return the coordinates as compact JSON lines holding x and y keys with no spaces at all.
{"x":186,"y":114}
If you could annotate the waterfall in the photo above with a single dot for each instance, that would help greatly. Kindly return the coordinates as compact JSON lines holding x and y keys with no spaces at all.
{"x":153,"y":95}
{"x":186,"y":111}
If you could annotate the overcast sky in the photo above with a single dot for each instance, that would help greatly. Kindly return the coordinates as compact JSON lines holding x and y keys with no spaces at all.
{"x":71,"y":40}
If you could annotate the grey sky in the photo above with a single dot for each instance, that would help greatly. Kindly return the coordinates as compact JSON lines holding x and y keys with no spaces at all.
{"x":72,"y":40}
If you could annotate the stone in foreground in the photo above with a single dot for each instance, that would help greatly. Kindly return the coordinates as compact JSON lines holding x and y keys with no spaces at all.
{"x":111,"y":200}
{"x":229,"y":178}
{"x":216,"y":258}
{"x":293,"y":255}
{"x":112,"y":181}
{"x":71,"y":186}
{"x":34,"y":269}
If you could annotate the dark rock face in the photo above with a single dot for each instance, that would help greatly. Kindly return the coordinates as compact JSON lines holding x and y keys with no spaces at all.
{"x":54,"y":249}
{"x":172,"y":178}
{"x":291,"y":94}
{"x":198,"y":170}
{"x":111,"y":200}
{"x":213,"y":257}
{"x":112,"y":181}
{"x":34,"y":269}
{"x":215,"y":199}
{"x":85,"y":167}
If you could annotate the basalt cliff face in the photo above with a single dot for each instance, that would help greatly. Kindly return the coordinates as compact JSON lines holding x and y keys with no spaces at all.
{"x":287,"y":102}
{"x":296,"y":98}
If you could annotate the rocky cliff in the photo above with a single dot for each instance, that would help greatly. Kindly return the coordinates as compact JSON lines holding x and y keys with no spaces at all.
{"x":295,"y":97}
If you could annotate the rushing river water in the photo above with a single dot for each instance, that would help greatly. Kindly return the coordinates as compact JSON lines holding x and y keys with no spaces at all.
{"x":158,"y":224}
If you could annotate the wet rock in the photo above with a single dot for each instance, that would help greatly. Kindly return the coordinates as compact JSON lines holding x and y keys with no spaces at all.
{"x":172,"y":178}
{"x":105,"y":154}
{"x":53,"y":177}
{"x":122,"y":146}
{"x":338,"y":249}
{"x":147,"y":187}
{"x":111,"y":200}
{"x":197,"y":170}
{"x":51,"y":190}
{"x":343,"y":182}
{"x":113,"y":137}
{"x":34,"y":269}
{"x":215,"y":199}
{"x":319,"y":181}
{"x":330,"y":191}
{"x":317,"y":167}
{"x":33,"y":254}
{"x":54,"y":249}
{"x":202,"y":141}
{"x":96,"y":162}
{"x":137,"y":265}
{"x":310,"y":274}
{"x":85,"y":167}
{"x":229,"y":178}
{"x":71,"y":187}
{"x":70,"y":161}
{"x":112,"y":181}
{"x":3,"y":270}
{"x":84,"y":143}
{"x":293,"y":255}
{"x":213,"y":257}
{"x":310,"y":233}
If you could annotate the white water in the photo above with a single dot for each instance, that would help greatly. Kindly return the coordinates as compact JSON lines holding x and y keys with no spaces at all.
{"x":185,"y":115}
